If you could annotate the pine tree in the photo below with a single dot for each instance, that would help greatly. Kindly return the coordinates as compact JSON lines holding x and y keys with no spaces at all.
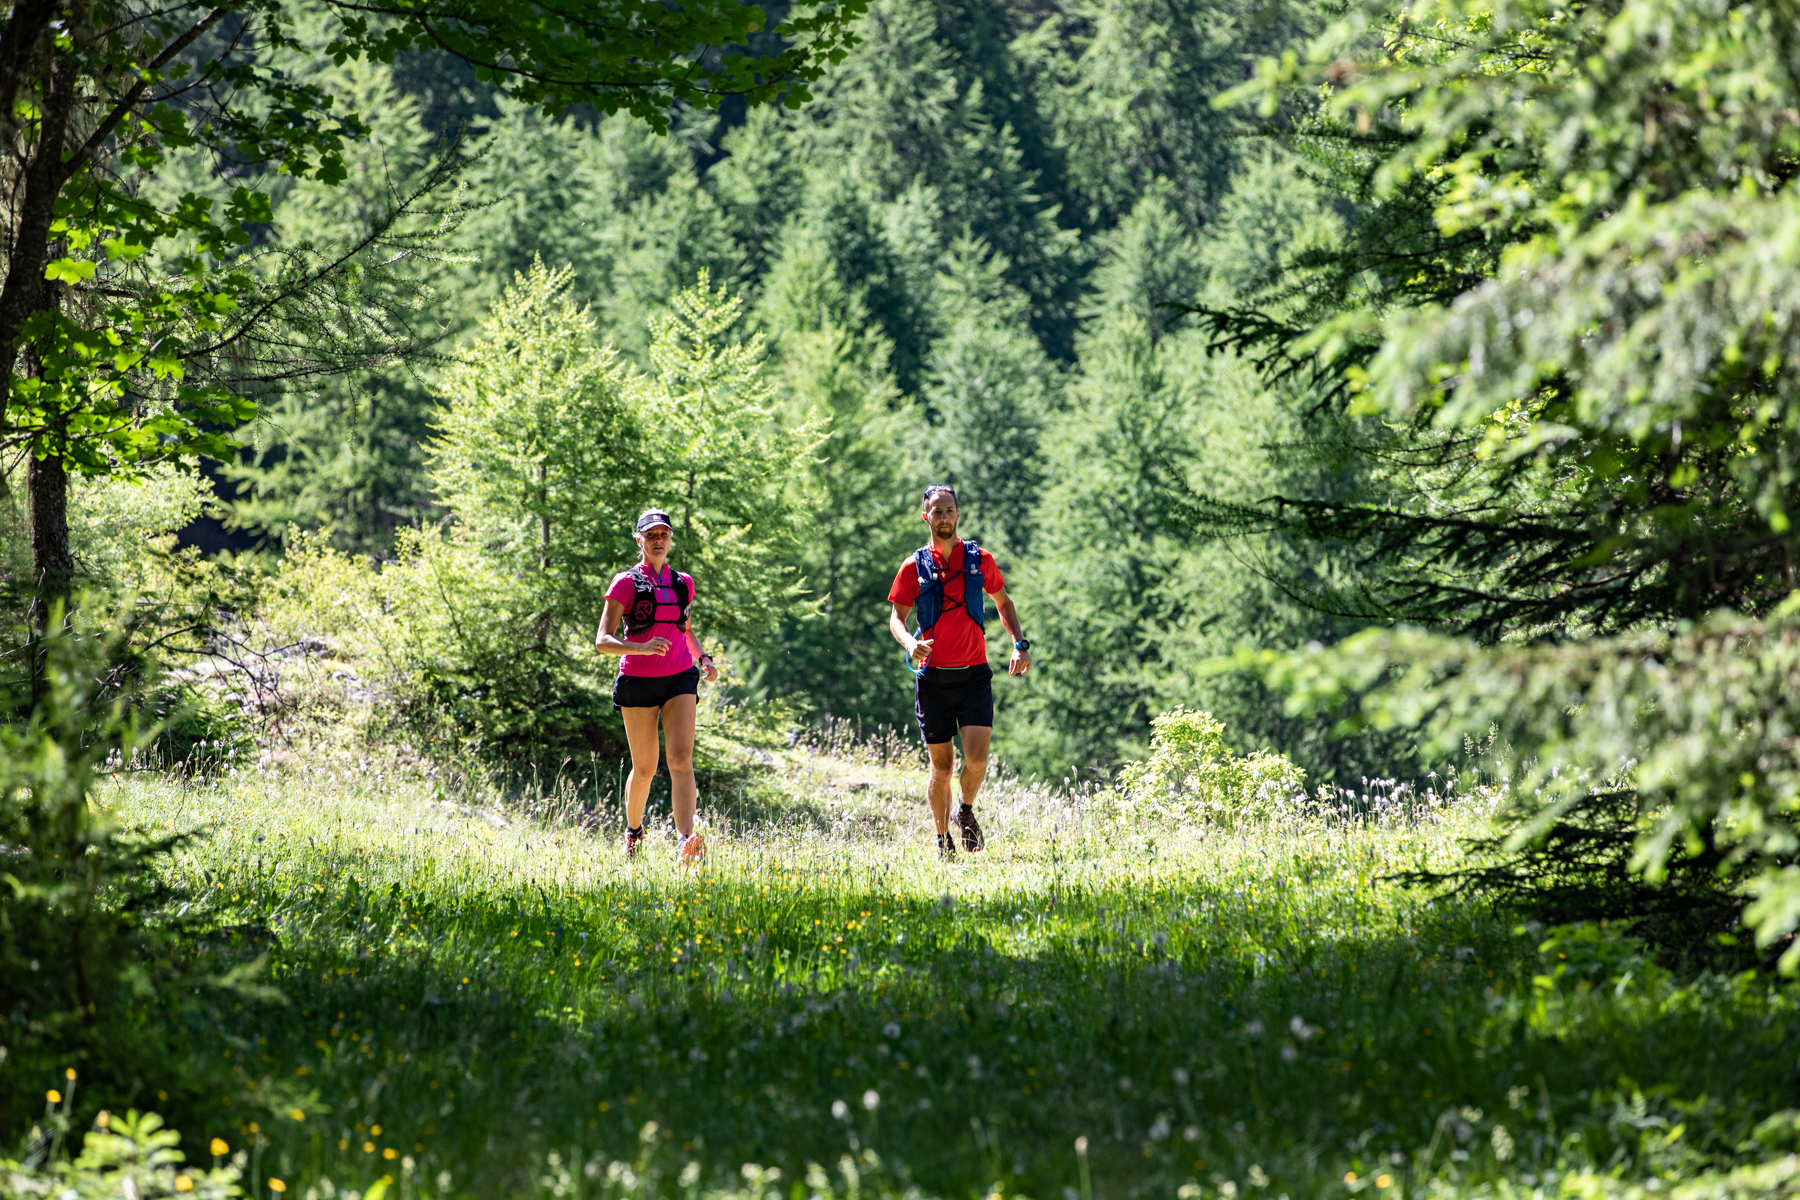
{"x":990,"y":389}
{"x":1125,"y":601}
{"x":1129,"y":88}
{"x":549,"y":445}
{"x":1585,"y":383}
{"x":907,"y":126}
{"x":836,"y":657}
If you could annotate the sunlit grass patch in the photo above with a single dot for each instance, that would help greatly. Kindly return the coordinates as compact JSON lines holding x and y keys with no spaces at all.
{"x":1253,"y":1011}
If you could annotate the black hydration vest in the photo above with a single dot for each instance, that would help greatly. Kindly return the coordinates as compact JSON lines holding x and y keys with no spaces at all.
{"x":640,"y":614}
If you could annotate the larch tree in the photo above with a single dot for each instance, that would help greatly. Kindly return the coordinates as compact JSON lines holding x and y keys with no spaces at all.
{"x":133,"y":326}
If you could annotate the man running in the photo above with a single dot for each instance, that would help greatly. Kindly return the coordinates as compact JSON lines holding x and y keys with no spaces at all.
{"x":945,"y":579}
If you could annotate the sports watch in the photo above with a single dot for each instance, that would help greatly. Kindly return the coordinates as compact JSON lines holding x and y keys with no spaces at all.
{"x":1022,"y":644}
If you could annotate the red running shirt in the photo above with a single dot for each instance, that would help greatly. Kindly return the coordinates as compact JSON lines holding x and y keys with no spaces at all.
{"x":677,"y":658}
{"x":956,"y":640}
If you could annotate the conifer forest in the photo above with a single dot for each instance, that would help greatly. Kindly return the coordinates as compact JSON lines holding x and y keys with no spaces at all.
{"x":1379,"y":421}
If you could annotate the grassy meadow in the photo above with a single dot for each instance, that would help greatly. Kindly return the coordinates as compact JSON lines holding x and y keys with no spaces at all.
{"x":482,"y":1002}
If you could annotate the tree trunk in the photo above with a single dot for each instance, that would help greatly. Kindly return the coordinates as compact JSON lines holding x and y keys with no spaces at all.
{"x":47,"y":500}
{"x":43,"y":177}
{"x":543,"y":627}
{"x":47,"y":510}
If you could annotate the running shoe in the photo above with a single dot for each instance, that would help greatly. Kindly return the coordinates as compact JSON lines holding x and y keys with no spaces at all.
{"x":971,"y":830}
{"x":947,"y":847}
{"x":634,"y":841}
{"x":693,"y":848}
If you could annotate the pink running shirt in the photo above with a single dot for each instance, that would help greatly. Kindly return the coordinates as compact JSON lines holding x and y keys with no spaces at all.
{"x":677,"y":658}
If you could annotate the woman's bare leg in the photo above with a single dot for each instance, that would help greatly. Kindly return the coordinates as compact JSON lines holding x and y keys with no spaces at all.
{"x":678,"y":735}
{"x":640,"y":733}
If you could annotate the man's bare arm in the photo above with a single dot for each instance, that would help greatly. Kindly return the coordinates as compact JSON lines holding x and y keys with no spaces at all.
{"x":917,"y":649}
{"x":1020,"y":662}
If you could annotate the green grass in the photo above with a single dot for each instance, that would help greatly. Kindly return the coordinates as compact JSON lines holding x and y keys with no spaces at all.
{"x":1220,"y":1014}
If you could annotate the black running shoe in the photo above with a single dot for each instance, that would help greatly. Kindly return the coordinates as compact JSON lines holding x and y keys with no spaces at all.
{"x":971,"y":830}
{"x":947,"y":847}
{"x":634,"y":841}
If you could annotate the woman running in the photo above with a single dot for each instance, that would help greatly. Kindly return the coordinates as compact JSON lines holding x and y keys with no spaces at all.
{"x":659,"y":678}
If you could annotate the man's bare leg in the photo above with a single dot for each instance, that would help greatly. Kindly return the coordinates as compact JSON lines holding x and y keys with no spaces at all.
{"x":937,"y":788}
{"x":975,"y":760}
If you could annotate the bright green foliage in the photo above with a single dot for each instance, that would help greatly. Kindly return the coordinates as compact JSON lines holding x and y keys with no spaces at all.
{"x":1192,"y":776}
{"x":130,"y":1155}
{"x":548,"y":447}
{"x":114,"y":522}
{"x":1697,"y":723}
{"x":542,"y":459}
{"x":723,"y":473}
{"x":1597,"y":438}
{"x":541,"y":455}
{"x":114,"y":518}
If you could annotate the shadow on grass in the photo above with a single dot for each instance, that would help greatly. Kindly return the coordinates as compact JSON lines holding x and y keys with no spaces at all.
{"x":1187,"y":1031}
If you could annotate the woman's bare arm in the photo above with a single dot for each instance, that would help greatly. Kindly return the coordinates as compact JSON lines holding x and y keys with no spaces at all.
{"x":607,"y":641}
{"x":708,"y":669}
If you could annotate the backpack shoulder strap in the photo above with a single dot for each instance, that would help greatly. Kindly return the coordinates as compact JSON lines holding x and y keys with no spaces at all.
{"x":974,"y":584}
{"x":682,"y":596}
{"x":931,"y":588}
{"x":643,"y":601}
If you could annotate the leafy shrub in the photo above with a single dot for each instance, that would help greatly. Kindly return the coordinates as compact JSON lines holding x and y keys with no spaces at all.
{"x":480,"y":635}
{"x":1687,"y":736}
{"x":113,"y":521}
{"x":131,"y":1155}
{"x":99,"y":970}
{"x":69,"y":951}
{"x":1192,"y":776}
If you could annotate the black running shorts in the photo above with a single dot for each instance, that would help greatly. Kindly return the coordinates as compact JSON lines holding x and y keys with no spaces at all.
{"x":945,"y":698}
{"x":654,"y":691}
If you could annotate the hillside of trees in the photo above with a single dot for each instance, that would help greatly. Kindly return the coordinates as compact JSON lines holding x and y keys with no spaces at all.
{"x":964,"y":257}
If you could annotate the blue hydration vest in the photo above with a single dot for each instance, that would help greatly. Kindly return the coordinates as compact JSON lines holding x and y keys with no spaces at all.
{"x":931,"y":592}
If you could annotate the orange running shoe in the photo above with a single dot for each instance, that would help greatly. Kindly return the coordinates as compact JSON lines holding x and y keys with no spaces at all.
{"x":693,"y":848}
